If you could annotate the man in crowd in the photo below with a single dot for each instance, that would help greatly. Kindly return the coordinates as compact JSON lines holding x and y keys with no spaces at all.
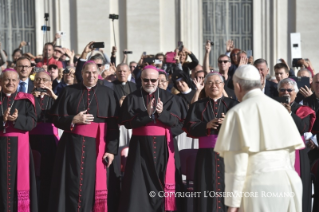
{"x":48,"y":58}
{"x":224,"y":65}
{"x":306,"y":91}
{"x":24,"y":69}
{"x":44,"y":137}
{"x":18,"y":115}
{"x":269,"y":88}
{"x":150,"y":166}
{"x":122,"y":87}
{"x":87,"y":113}
{"x":182,"y":84}
{"x":281,"y":71}
{"x":257,"y":140}
{"x":203,"y":121}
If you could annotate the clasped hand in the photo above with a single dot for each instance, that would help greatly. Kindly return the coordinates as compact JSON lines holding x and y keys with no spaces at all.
{"x":158,"y":108}
{"x":213,"y":124}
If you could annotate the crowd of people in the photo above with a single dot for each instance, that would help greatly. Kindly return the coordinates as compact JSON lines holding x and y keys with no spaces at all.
{"x":156,"y":106}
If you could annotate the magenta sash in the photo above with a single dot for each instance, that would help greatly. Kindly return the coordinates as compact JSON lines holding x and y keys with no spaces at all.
{"x":207,"y":141}
{"x":160,"y":129}
{"x":46,"y":129}
{"x":23,"y":167}
{"x":97,"y":130}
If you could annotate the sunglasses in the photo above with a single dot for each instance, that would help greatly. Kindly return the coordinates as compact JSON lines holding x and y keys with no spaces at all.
{"x":58,"y":51}
{"x":99,"y":65}
{"x":147,"y":80}
{"x":284,"y":90}
{"x":223,"y":61}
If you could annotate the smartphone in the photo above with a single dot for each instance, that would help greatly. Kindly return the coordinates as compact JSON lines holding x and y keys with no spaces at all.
{"x":283,"y":99}
{"x":107,"y":66}
{"x":249,"y":53}
{"x":144,"y":53}
{"x":97,"y":45}
{"x":106,"y":161}
{"x":149,"y":60}
{"x":180,"y":46}
{"x":128,"y":52}
{"x":28,"y":43}
{"x":41,"y":89}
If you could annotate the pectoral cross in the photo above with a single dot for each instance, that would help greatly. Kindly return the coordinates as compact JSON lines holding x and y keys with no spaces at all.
{"x":153,"y":117}
{"x":4,"y":127}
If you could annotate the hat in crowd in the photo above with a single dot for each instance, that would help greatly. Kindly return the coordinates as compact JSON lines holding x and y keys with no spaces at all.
{"x":52,"y":66}
{"x":180,"y":75}
{"x":59,"y":49}
{"x":150,"y":67}
{"x":247,"y":72}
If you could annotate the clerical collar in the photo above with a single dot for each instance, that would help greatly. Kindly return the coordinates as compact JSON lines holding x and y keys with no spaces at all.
{"x":215,"y":100}
{"x":87,"y":87}
{"x":123,"y":83}
{"x":187,"y":92}
{"x":8,"y":94}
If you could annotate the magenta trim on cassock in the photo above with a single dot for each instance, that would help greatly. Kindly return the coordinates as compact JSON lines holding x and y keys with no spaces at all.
{"x":46,"y":129}
{"x":297,"y":158}
{"x":207,"y":141}
{"x":160,"y":129}
{"x":97,"y":131}
{"x":23,"y":167}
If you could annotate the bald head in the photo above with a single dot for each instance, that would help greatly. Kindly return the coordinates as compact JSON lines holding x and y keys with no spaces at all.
{"x":149,"y":78}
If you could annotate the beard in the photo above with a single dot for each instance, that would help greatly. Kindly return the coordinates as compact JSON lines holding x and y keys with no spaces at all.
{"x":149,"y":89}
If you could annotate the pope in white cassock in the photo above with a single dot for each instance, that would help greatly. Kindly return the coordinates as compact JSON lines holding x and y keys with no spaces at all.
{"x":258,"y":141}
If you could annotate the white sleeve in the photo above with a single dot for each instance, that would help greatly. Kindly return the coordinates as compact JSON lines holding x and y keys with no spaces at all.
{"x":236,"y":164}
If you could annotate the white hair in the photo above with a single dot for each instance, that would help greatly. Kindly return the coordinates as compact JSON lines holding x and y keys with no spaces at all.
{"x":290,"y":82}
{"x":213,"y":74}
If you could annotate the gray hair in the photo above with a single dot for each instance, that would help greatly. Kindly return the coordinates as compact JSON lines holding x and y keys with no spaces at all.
{"x":247,"y":85}
{"x":290,"y":82}
{"x":304,"y":69}
{"x":213,"y":74}
{"x":98,"y":56}
{"x":122,"y":64}
{"x":42,"y":71}
{"x":2,"y":74}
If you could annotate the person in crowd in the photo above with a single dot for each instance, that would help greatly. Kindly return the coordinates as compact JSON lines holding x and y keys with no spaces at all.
{"x":99,"y":61}
{"x":56,"y":75}
{"x":3,"y":58}
{"x":203,"y":121}
{"x":305,"y":91}
{"x":122,"y":87}
{"x":150,"y":112}
{"x":16,"y":54}
{"x":181,"y":83}
{"x":281,"y":71}
{"x":44,"y":137}
{"x":234,"y":61}
{"x":257,"y":140}
{"x":187,"y":66}
{"x":269,"y":88}
{"x":17,"y":175}
{"x":68,"y":79}
{"x":23,"y":67}
{"x":48,"y":59}
{"x":58,"y":53}
{"x":313,"y":103}
{"x":304,"y":118}
{"x":90,"y":135}
{"x":224,"y":65}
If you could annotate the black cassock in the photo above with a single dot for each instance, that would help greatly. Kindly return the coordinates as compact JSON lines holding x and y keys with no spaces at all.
{"x":10,"y":194}
{"x":43,"y":139}
{"x":303,"y":124}
{"x":145,"y":169}
{"x":188,"y":97}
{"x":209,"y":167}
{"x":74,"y":174}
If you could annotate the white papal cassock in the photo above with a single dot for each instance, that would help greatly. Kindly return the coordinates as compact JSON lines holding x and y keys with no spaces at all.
{"x":258,"y":140}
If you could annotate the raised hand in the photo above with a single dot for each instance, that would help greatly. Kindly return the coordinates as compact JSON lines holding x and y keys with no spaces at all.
{"x":208,"y":46}
{"x":229,"y":45}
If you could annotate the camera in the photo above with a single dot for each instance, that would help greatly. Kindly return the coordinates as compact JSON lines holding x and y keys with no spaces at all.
{"x":66,"y":71}
{"x":128,"y":52}
{"x":45,"y":28}
{"x":97,"y":45}
{"x":113,"y":16}
{"x":296,"y":62}
{"x":41,"y":89}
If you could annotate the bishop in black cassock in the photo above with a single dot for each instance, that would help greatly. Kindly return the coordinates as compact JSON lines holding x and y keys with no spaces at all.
{"x":150,"y":112}
{"x":44,"y":137}
{"x":18,"y":116}
{"x":203,"y":121}
{"x":88,"y":115}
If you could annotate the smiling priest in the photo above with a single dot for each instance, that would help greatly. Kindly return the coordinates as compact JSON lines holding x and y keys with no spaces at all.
{"x":18,"y":115}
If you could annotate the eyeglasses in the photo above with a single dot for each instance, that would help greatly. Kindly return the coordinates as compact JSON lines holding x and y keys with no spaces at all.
{"x":53,"y":68}
{"x":147,"y":80}
{"x":223,"y":61}
{"x":214,"y":83}
{"x":24,"y":67}
{"x":284,"y":90}
{"x":43,"y":79}
{"x":99,"y":65}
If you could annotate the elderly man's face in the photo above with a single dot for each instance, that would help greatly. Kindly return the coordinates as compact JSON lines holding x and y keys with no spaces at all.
{"x":281,"y":74}
{"x":122,"y":73}
{"x":149,"y":79}
{"x":9,"y":82}
{"x":315,"y":84}
{"x":288,"y":90}
{"x":263,"y":71}
{"x":162,"y":82}
{"x":214,"y":87}
{"x":90,"y":75}
{"x":42,"y":79}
